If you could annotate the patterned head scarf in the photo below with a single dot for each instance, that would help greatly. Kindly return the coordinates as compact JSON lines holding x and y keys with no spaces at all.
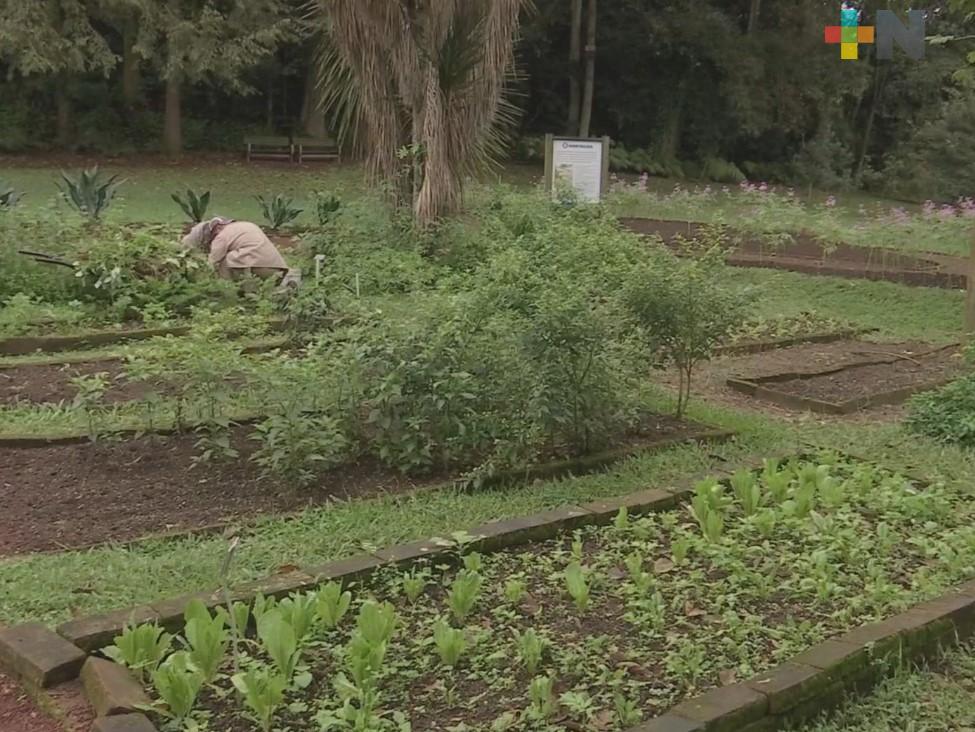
{"x":202,"y":234}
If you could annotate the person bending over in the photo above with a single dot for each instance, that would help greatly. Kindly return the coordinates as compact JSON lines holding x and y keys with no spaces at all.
{"x":239,"y":249}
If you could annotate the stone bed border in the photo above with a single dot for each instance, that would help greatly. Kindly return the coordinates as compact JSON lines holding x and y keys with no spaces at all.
{"x":801,"y":688}
{"x":748,"y":347}
{"x":759,"y":387}
{"x":26,"y":345}
{"x":261,"y":345}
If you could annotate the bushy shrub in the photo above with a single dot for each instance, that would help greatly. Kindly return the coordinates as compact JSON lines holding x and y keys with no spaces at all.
{"x":133,"y":270}
{"x":946,"y":414}
{"x":685,"y":310}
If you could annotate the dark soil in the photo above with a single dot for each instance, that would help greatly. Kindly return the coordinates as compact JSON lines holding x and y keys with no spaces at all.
{"x":808,"y":255}
{"x":70,"y":496}
{"x":19,"y":713}
{"x":862,"y":381}
{"x":52,"y":383}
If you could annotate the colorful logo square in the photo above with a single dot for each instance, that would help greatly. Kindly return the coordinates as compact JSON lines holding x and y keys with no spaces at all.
{"x":849,"y":34}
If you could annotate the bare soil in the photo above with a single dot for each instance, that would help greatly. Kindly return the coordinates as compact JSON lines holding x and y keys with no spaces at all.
{"x":710,"y":379}
{"x":809,"y":255}
{"x":70,"y":496}
{"x":860,"y":381}
{"x":52,"y":383}
{"x":19,"y":713}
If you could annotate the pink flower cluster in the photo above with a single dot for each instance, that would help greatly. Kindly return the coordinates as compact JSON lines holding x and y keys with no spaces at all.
{"x":749,"y":187}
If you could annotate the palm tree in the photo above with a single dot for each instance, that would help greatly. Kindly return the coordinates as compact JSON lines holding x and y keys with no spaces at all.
{"x":419,"y":87}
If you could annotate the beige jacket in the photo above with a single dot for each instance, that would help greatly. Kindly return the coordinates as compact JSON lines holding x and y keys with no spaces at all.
{"x":240,"y":245}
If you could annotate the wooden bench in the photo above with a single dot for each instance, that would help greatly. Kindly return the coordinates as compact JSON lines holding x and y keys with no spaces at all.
{"x":269,"y":148}
{"x":311,"y":148}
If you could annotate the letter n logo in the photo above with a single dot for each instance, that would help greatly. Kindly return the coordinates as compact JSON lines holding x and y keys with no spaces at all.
{"x":890,"y":30}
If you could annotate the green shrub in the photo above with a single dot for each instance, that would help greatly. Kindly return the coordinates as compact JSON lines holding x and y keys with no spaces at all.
{"x":685,"y":310}
{"x":946,"y":414}
{"x":132,"y":270}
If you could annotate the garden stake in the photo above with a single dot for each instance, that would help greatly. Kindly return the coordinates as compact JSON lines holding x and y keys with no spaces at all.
{"x":225,"y":586}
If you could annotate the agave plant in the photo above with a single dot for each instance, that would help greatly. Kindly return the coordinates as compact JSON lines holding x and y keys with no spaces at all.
{"x":194,"y":206}
{"x":89,"y":191}
{"x":8,"y":197}
{"x":278,"y":211}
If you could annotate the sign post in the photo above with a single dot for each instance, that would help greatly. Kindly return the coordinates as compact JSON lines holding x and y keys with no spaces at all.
{"x":580,"y":163}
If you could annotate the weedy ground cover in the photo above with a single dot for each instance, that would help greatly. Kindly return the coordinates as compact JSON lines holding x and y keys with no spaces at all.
{"x":600,"y":628}
{"x":937,"y":697}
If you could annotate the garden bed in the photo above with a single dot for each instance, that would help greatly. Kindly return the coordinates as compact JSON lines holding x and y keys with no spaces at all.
{"x":808,"y":255}
{"x":885,"y":379}
{"x":595,"y":618}
{"x":75,"y":495}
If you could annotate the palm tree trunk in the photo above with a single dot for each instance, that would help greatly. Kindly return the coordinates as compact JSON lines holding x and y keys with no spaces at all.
{"x":173,"y":118}
{"x":575,"y":69}
{"x":585,"y":116}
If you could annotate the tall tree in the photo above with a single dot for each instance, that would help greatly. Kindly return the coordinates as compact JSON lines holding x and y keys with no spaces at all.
{"x":193,"y":41}
{"x":423,"y":80}
{"x":575,"y":68}
{"x":55,"y":39}
{"x":588,"y":87}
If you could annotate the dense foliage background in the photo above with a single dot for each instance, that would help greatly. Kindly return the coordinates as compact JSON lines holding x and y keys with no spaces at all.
{"x":722,"y":89}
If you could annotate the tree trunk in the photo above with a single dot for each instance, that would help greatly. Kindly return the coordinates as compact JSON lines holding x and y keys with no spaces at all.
{"x":970,"y":294}
{"x":880,"y":81}
{"x":753,"y":14}
{"x":63,"y":111}
{"x":131,"y":75}
{"x":312,"y":116}
{"x":585,"y":116}
{"x":575,"y":69}
{"x":173,"y":121}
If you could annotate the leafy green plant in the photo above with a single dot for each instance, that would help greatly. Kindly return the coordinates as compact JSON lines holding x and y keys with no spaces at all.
{"x":89,"y":192}
{"x":263,"y":692}
{"x":178,"y":681}
{"x":140,"y":647}
{"x":279,"y":211}
{"x":577,"y":583}
{"x":946,"y":414}
{"x":90,"y":390}
{"x":748,"y":490}
{"x":628,"y":712}
{"x":327,"y":206}
{"x":541,"y":694}
{"x":463,"y":594}
{"x":708,"y":506}
{"x":280,"y":642}
{"x":414,"y":583}
{"x":297,"y":445}
{"x":299,"y":610}
{"x":514,"y":590}
{"x":194,"y":206}
{"x":531,"y":647}
{"x":450,"y":642}
{"x":473,"y":562}
{"x":332,"y":604}
{"x":207,"y":639}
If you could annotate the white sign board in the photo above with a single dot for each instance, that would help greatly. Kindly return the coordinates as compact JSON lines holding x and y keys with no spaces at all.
{"x":579,"y":164}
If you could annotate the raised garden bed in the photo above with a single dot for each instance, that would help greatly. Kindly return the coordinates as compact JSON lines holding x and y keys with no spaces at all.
{"x":23,"y":345}
{"x":668,"y":607}
{"x":64,"y":496}
{"x":855,"y":386}
{"x":808,"y":255}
